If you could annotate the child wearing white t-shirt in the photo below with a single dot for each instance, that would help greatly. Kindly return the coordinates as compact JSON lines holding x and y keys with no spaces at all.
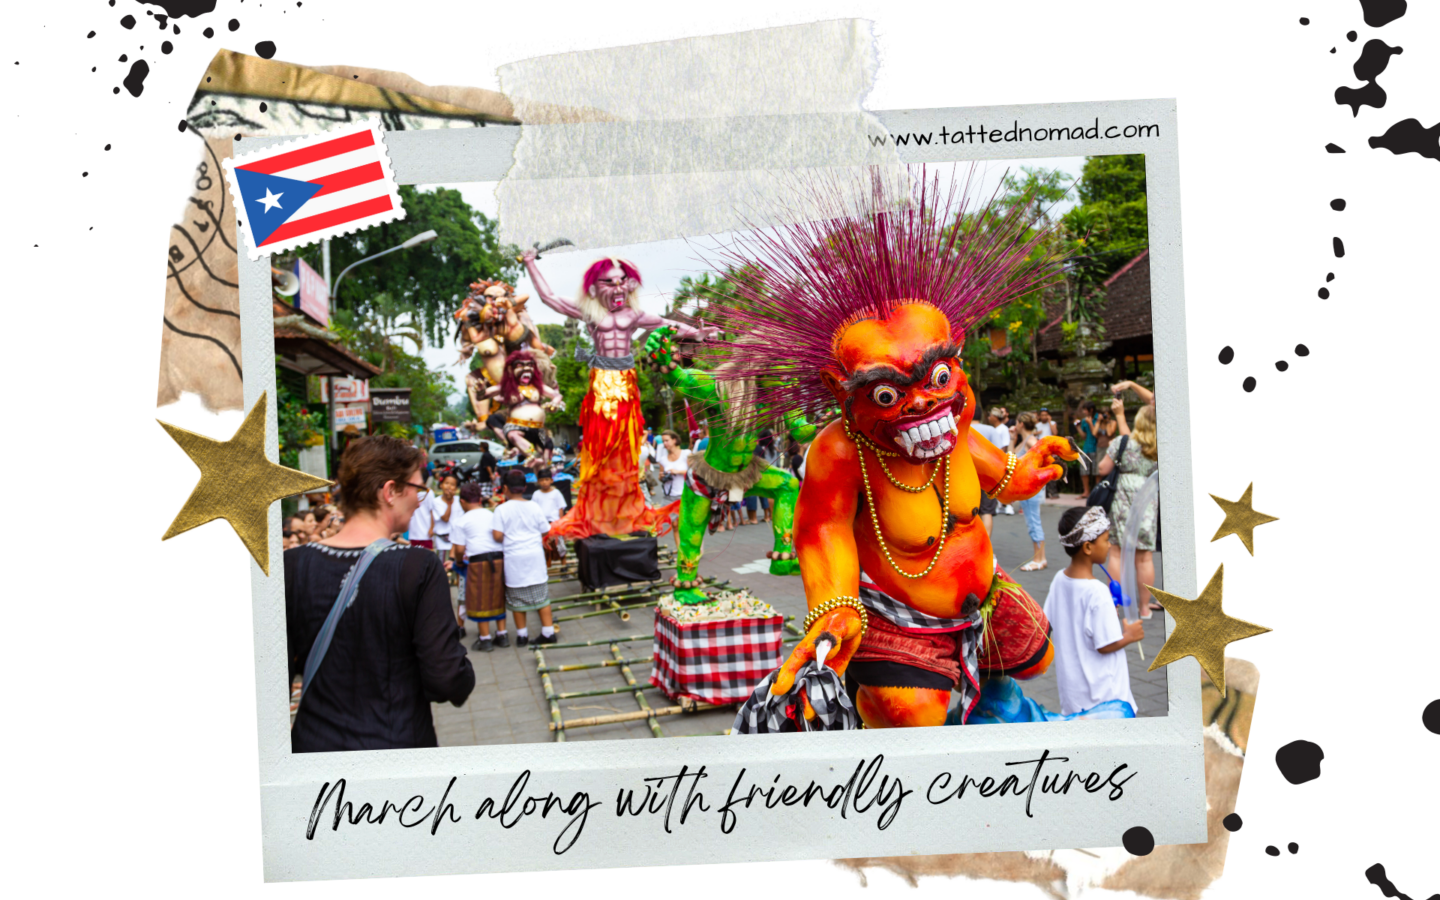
{"x":481,"y":558}
{"x":552,"y":502}
{"x":1084,"y":627}
{"x":520,"y":526}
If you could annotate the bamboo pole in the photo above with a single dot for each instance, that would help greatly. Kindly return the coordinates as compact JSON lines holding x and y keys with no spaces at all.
{"x":597,"y":642}
{"x":555,"y":718}
{"x":640,"y":700}
{"x":606,"y":692}
{"x":616,"y":718}
{"x":575,"y":667}
{"x":662,"y":567}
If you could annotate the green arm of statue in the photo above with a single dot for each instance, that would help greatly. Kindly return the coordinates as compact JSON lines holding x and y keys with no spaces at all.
{"x":692,"y":383}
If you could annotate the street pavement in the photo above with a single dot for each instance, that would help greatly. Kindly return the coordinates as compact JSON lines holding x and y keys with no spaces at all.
{"x":508,"y":704}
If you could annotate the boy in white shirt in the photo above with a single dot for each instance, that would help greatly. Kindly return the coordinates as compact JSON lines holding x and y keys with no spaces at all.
{"x":444,"y":512}
{"x":552,"y":502}
{"x":1084,"y":627}
{"x":520,"y":527}
{"x":482,"y":559}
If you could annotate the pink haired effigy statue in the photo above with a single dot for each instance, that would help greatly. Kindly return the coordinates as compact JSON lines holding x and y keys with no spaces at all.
{"x":608,"y":499}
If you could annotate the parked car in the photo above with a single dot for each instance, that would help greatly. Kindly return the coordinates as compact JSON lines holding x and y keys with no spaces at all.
{"x":464,"y":452}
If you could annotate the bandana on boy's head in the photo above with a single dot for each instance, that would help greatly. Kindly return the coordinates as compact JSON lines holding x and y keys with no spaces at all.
{"x":1091,"y":525}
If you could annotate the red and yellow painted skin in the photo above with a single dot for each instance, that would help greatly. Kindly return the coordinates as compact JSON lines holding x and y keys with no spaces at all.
{"x":890,"y":375}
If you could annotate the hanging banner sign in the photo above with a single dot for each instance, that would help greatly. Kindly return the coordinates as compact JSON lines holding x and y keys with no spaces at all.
{"x":349,"y":415}
{"x":345,"y":389}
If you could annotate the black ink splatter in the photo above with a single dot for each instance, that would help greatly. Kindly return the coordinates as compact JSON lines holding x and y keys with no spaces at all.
{"x":1409,"y":136}
{"x":1378,"y":13}
{"x":127,"y":22}
{"x":1431,"y":717}
{"x":1281,"y":365}
{"x":175,"y":28}
{"x":1370,"y":94}
{"x":1248,"y":384}
{"x":184,"y":124}
{"x":1272,"y":850}
{"x":1302,"y":350}
{"x":1334,"y":148}
{"x":1332,"y":49}
{"x":115,"y":90}
{"x":1329,"y":276}
{"x":1324,"y":293}
{"x":1227,"y":353}
{"x":1376,"y":876}
{"x":1232,"y":822}
{"x":124,"y":57}
{"x":1299,"y":761}
{"x":166,"y":47}
{"x":1304,"y":21}
{"x":90,"y":35}
{"x":264,"y":106}
{"x":84,"y":174}
{"x":1351,"y":36}
{"x":1338,"y":246}
{"x":178,"y":8}
{"x":1368,"y":68}
{"x":134,"y":81}
{"x":1337,"y":204}
{"x":1293,"y":847}
{"x":233,"y":24}
{"x":1138,"y":840}
{"x":107,"y":146}
{"x":265,"y":49}
{"x":209,"y":32}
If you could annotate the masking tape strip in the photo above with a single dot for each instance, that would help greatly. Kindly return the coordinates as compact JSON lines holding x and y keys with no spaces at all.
{"x":687,"y":137}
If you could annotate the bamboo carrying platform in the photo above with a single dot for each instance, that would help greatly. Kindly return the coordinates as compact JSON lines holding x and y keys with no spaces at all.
{"x":617,"y":601}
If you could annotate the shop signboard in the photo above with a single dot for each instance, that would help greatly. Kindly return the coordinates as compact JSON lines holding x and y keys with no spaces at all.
{"x":390,"y":404}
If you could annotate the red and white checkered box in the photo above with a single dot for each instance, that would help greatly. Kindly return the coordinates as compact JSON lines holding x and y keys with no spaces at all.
{"x":716,"y":662}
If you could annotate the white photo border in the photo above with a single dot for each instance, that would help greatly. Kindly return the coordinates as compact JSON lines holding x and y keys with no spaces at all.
{"x":1161,"y":776}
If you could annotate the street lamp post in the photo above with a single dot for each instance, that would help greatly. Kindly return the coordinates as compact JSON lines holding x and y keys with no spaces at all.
{"x":415,"y":241}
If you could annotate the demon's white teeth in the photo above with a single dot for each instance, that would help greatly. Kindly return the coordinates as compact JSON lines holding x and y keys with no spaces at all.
{"x":950,"y":422}
{"x":930,"y":430}
{"x":914,"y":436}
{"x":906,"y":444}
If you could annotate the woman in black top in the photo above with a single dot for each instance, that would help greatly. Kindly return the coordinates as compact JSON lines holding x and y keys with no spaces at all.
{"x":394,"y":651}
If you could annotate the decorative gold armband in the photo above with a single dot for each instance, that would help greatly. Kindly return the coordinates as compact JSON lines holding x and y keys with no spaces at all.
{"x":835,"y":603}
{"x":1011,"y":461}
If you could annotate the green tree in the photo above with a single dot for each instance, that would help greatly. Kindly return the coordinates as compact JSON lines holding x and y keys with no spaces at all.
{"x":430,"y":280}
{"x":1113,"y":211}
{"x":430,"y":389}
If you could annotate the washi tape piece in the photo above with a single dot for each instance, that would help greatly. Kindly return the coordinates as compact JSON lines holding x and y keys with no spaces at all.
{"x":315,"y":187}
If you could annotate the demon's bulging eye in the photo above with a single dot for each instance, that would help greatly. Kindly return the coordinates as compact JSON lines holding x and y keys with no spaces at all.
{"x":885,"y":395}
{"x":940,"y":375}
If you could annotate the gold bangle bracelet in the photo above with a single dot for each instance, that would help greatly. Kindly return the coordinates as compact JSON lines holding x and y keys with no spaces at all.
{"x":835,"y":603}
{"x":1011,"y":463}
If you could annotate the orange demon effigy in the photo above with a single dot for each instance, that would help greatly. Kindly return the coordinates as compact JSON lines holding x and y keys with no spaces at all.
{"x":868,"y":310}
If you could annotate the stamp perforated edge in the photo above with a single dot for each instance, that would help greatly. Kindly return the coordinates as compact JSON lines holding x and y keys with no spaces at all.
{"x":395,"y":214}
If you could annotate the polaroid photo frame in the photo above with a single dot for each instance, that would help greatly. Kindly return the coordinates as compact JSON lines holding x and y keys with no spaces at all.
{"x":761,"y":797}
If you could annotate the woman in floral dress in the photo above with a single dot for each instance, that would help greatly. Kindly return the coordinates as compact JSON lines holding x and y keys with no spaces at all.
{"x":1139,"y":462}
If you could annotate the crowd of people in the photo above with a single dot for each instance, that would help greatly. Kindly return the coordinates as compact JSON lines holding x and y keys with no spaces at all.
{"x":664,"y":462}
{"x":386,"y":546}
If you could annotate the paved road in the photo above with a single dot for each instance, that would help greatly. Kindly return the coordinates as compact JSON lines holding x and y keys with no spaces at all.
{"x":508,"y":704}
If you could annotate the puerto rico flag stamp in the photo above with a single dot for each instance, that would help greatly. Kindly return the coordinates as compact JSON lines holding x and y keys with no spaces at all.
{"x":315,"y":187}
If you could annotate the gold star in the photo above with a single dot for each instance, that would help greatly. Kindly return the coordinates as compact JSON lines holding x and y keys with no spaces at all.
{"x":237,"y":483}
{"x":1202,"y":629}
{"x":1241,"y":519}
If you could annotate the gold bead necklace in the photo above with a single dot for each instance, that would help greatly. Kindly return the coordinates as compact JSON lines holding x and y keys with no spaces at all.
{"x":875,"y":518}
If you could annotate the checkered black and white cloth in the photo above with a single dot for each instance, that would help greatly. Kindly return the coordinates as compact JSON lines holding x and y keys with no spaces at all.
{"x":765,"y":713}
{"x":907,"y":617}
{"x":714,"y":662}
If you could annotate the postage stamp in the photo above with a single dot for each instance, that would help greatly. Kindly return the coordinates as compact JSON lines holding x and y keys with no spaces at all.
{"x":314,"y":187}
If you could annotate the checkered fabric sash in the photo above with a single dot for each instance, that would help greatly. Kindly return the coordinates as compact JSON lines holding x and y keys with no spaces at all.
{"x":714,"y":662}
{"x":765,"y":713}
{"x":906,"y":617}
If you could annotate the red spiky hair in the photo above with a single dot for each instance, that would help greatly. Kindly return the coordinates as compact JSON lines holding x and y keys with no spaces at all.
{"x":876,"y":245}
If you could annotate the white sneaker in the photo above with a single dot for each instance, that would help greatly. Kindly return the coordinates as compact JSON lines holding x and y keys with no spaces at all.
{"x":1009,"y":510}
